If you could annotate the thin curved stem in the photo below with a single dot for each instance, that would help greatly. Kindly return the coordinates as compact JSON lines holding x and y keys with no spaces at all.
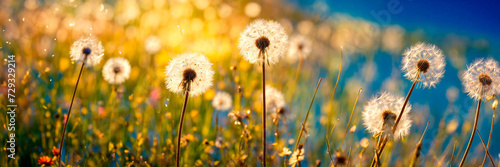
{"x":416,"y":154}
{"x":177,"y":155}
{"x":489,"y":138}
{"x":264,"y":147}
{"x":472,"y":134}
{"x":350,"y":117}
{"x":307,"y":115}
{"x":404,"y":105}
{"x":69,"y":112}
{"x":453,"y":153}
{"x":485,"y":148}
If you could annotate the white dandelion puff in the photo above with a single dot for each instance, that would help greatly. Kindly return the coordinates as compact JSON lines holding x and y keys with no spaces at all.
{"x":275,"y":101}
{"x":88,"y":49}
{"x":482,"y":79}
{"x":425,"y":63}
{"x":152,"y":44}
{"x":380,"y":113}
{"x":299,"y":47}
{"x":222,"y":101}
{"x":191,"y":71}
{"x":116,"y":70}
{"x":263,"y":39}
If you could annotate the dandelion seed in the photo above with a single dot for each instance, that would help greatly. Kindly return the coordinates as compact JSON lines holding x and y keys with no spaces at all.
{"x":116,"y":70}
{"x":482,"y":79}
{"x":380,"y":113}
{"x":189,"y":67}
{"x":222,"y":101}
{"x":263,"y":38}
{"x":275,"y":101}
{"x":300,"y":47}
{"x":87,"y":49}
{"x":425,"y":63}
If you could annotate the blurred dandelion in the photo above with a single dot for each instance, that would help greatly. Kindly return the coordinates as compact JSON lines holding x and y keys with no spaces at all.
{"x":152,"y":44}
{"x":90,"y":51}
{"x":379,"y":115}
{"x":482,"y":79}
{"x":285,"y":152}
{"x":425,"y":63}
{"x":263,"y":41}
{"x":275,"y":101}
{"x":300,"y":47}
{"x":116,"y":70}
{"x":87,"y":49}
{"x":191,"y":74}
{"x":222,"y":101}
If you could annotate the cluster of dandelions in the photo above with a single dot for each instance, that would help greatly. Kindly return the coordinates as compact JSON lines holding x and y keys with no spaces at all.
{"x":263,"y":39}
{"x":87,"y":49}
{"x":194,"y":68}
{"x":425,"y":63}
{"x":116,"y":70}
{"x":380,"y":113}
{"x":482,"y":79}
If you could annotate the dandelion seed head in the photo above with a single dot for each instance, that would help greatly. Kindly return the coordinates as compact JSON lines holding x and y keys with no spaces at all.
{"x":116,"y":70}
{"x":87,"y":48}
{"x":275,"y":101}
{"x":222,"y":101}
{"x":425,"y":63}
{"x":263,"y":36}
{"x":194,"y":68}
{"x":380,"y":113}
{"x":482,"y":75}
{"x":300,"y":47}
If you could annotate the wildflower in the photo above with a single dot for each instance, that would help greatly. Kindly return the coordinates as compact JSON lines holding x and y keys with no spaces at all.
{"x":425,"y":63}
{"x":275,"y":100}
{"x":263,"y":38}
{"x":87,"y":49}
{"x":285,"y":152}
{"x":380,"y":113}
{"x":152,"y":44}
{"x":300,"y":47}
{"x":116,"y":70}
{"x":297,"y":156}
{"x":56,"y":151}
{"x":193,"y":68}
{"x":364,"y":142}
{"x":45,"y":161}
{"x":482,"y":79}
{"x":222,"y":101}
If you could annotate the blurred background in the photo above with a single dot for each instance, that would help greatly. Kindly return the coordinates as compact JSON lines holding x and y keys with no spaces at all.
{"x":141,"y":127}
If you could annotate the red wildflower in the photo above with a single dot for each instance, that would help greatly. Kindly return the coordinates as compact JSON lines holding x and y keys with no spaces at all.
{"x":56,"y":151}
{"x":45,"y":161}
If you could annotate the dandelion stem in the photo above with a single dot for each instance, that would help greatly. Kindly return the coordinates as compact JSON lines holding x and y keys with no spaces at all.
{"x":307,"y":115}
{"x":404,"y":105}
{"x":337,"y":82}
{"x":472,"y":134}
{"x":177,"y":157}
{"x":328,"y":142}
{"x":489,"y":138}
{"x":453,"y":153}
{"x":350,"y":117}
{"x":485,"y":148}
{"x":416,"y":154}
{"x":69,"y":112}
{"x":216,"y":124}
{"x":264,"y":147}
